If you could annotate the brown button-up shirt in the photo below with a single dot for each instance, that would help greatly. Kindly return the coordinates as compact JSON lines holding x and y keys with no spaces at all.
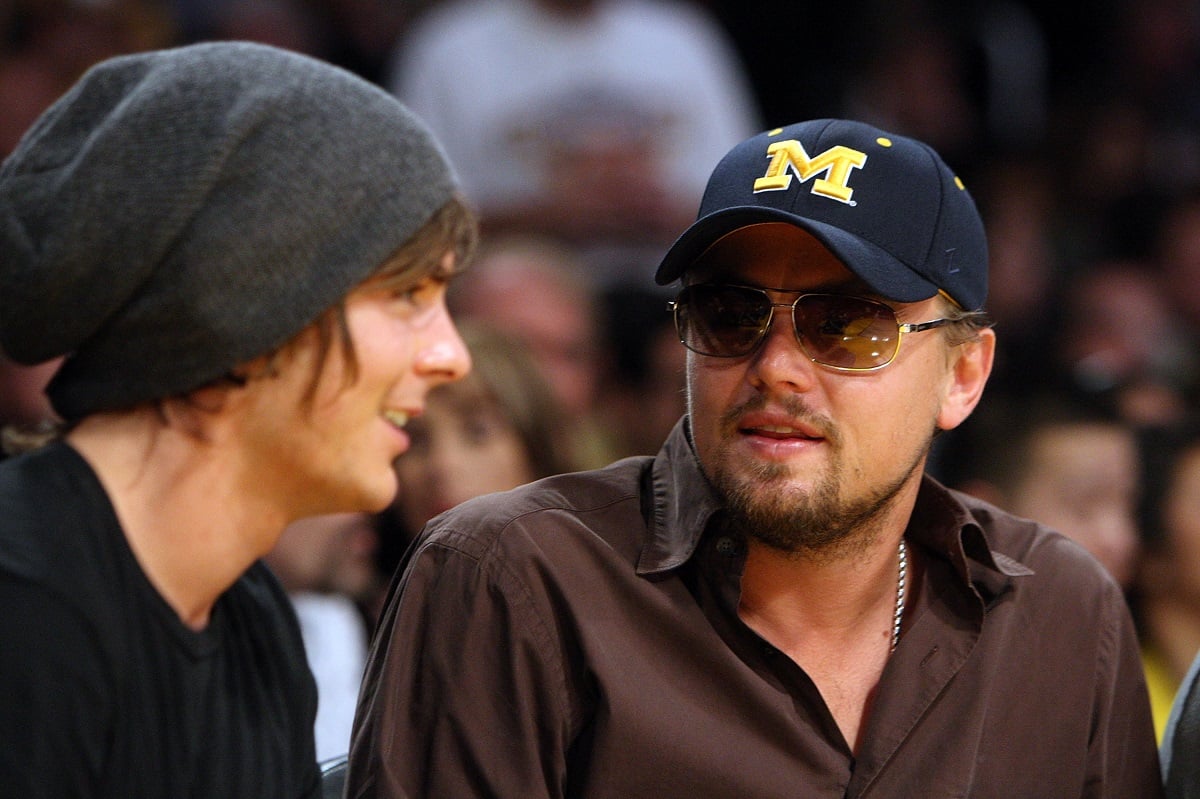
{"x":579,"y":637}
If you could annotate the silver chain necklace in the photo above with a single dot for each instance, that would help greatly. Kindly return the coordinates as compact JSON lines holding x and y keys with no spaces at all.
{"x":901,"y":593}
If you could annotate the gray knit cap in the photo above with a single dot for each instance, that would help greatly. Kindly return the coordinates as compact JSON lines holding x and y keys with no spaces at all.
{"x":183,"y":211}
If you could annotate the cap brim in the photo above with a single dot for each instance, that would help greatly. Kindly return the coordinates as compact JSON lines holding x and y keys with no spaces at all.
{"x":882,"y":272}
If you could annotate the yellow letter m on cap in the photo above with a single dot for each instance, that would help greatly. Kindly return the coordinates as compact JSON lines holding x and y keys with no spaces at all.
{"x":836,"y":163}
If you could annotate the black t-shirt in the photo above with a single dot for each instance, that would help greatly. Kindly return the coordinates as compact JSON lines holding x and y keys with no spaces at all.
{"x":104,"y":692}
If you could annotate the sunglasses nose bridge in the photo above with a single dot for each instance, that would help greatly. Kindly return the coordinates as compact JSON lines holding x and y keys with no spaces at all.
{"x":792,"y":321}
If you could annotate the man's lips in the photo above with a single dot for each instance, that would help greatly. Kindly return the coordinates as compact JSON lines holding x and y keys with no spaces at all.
{"x":777,"y":431}
{"x":398,"y":419}
{"x":776,"y":437}
{"x":777,"y":428}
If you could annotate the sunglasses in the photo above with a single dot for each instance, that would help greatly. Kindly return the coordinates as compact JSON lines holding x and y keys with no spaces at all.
{"x":844,"y":332}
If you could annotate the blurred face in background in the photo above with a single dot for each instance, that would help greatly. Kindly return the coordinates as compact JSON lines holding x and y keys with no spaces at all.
{"x":557,"y":327}
{"x":327,"y":554}
{"x":464,"y":445}
{"x":1082,"y":480}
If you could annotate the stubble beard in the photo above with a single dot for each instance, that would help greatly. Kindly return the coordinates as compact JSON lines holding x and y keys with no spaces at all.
{"x":764,"y":505}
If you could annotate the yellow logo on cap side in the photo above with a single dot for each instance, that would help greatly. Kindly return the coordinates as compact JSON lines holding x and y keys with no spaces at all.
{"x":836,"y":163}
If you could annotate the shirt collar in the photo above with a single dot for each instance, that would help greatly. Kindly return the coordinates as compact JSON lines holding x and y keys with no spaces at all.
{"x":683,"y":503}
{"x":952,"y":525}
{"x":945,"y":521}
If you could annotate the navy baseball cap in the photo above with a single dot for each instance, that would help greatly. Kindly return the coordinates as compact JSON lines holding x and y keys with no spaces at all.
{"x":887,"y":206}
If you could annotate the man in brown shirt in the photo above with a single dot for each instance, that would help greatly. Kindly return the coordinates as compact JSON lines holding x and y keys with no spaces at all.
{"x":780,"y":603}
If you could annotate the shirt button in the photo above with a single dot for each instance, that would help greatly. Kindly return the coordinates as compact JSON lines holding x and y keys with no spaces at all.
{"x":726,"y":546}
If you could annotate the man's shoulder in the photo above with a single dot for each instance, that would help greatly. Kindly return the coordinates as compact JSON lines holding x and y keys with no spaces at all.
{"x":1046,"y":552}
{"x":595,"y":498}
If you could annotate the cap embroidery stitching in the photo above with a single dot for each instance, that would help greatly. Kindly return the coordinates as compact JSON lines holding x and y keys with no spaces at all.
{"x":837,"y":163}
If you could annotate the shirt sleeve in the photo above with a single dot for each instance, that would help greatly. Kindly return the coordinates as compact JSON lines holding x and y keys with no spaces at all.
{"x":55,"y":706}
{"x":465,"y":694}
{"x":1122,"y":756}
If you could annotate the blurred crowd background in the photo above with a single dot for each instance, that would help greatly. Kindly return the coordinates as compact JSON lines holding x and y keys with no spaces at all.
{"x":584,"y":130}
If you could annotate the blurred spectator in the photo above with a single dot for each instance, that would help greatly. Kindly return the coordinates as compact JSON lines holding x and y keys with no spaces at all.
{"x":1177,"y":251}
{"x":968,"y":78}
{"x":596,"y":121}
{"x":1120,"y":344}
{"x":28,"y":85}
{"x":332,"y":554}
{"x":1167,"y":600}
{"x":48,"y":44}
{"x":935,"y":67}
{"x":1155,"y":63}
{"x":916,"y":83}
{"x":765,"y":34}
{"x":282,"y":23}
{"x":1130,"y":130}
{"x":1104,"y":150}
{"x":1015,"y":58}
{"x":361,"y":35}
{"x":538,"y":292}
{"x":1017,"y":203}
{"x":1061,"y":464}
{"x":643,"y":396}
{"x":326,"y":565}
{"x":72,"y":35}
{"x":499,"y":427}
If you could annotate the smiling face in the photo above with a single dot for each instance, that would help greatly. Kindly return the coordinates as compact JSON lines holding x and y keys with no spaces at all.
{"x":335,"y":452}
{"x":807,"y":457}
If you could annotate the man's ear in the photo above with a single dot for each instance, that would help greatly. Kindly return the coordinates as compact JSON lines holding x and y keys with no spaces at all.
{"x":966,"y":378}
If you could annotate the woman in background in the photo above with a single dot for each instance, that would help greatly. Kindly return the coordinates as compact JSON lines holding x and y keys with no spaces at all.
{"x":499,"y":427}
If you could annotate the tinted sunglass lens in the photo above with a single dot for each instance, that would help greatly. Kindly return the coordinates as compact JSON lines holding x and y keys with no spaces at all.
{"x":723,"y":321}
{"x":847,"y":332}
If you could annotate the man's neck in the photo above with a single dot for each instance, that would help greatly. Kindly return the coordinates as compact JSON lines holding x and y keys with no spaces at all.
{"x":799,"y":596}
{"x":179,"y":502}
{"x":833,"y":617}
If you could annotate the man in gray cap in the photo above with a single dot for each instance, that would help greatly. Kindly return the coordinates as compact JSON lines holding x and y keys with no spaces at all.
{"x":780,"y":603}
{"x":241,"y":256}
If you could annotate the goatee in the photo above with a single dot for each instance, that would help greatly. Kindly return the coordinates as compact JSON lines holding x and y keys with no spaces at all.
{"x":763,"y":505}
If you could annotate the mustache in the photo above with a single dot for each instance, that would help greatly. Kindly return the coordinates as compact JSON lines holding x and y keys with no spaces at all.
{"x":791,"y":405}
